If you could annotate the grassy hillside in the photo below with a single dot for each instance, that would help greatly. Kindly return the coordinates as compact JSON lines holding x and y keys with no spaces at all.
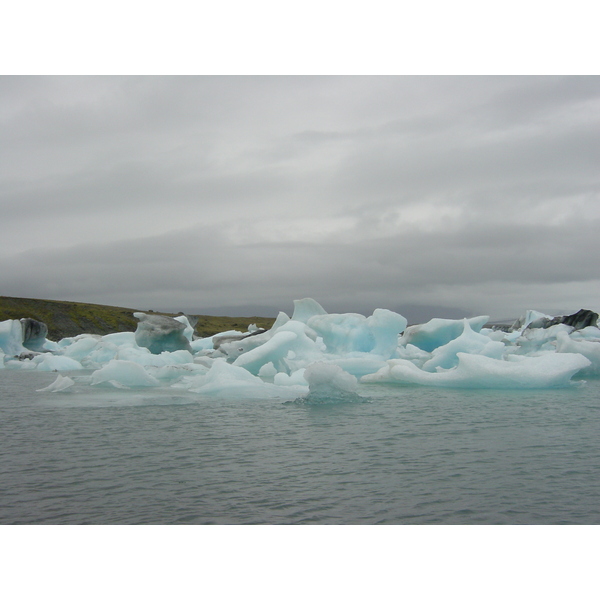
{"x":67,"y":319}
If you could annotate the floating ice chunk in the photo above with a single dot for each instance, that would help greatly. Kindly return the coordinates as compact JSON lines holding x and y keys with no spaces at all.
{"x":19,"y":362}
{"x":267,"y":371}
{"x":121,"y":338}
{"x":343,"y":332}
{"x":202,"y":344}
{"x":281,"y":319}
{"x":470,"y":342}
{"x":233,"y":346}
{"x":125,"y":373}
{"x":386,"y":325}
{"x":50,"y":346}
{"x":175,"y":372}
{"x":103,"y":353}
{"x":229,"y":381}
{"x":415,"y":355}
{"x":357,"y":364}
{"x":34,"y":334}
{"x":535,"y":341}
{"x":142,"y":356}
{"x":205,"y":361}
{"x":438,"y":332}
{"x":50,"y":362}
{"x":225,"y":336}
{"x":475,"y":371}
{"x":42,"y":362}
{"x":69,"y":341}
{"x":116,"y":384}
{"x":188,"y":332}
{"x":82,"y":346}
{"x":305,"y":309}
{"x":591,"y":350}
{"x":496,"y":335}
{"x":513,"y":336}
{"x":159,"y":333}
{"x":60,"y":384}
{"x":178,"y":357}
{"x":272,"y":351}
{"x":296,"y":378}
{"x":532,"y":319}
{"x":325,"y":377}
{"x":26,"y":335}
{"x":11,"y":337}
{"x":351,"y":332}
{"x":330,"y":384}
{"x":306,"y":347}
{"x":591,"y":334}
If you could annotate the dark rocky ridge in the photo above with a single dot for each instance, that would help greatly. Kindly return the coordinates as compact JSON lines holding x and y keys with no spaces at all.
{"x":580,"y":320}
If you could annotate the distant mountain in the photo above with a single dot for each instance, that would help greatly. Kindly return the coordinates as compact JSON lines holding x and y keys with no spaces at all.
{"x":242,"y":310}
{"x":421,"y":313}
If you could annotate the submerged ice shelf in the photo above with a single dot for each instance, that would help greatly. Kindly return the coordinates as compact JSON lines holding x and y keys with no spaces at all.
{"x":314,"y":355}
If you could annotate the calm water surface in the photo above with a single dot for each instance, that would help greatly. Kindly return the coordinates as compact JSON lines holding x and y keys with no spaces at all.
{"x":412,"y":455}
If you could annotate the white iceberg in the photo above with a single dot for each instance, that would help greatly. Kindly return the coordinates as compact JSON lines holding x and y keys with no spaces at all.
{"x":470,"y":342}
{"x":60,"y":384}
{"x":229,"y":381}
{"x":123,"y":373}
{"x":350,"y":332}
{"x":438,"y":332}
{"x":591,"y":350}
{"x":330,"y":384}
{"x":476,"y":371}
{"x":11,"y":337}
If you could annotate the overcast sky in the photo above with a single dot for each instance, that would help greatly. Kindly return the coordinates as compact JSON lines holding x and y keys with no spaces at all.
{"x":471,"y":195}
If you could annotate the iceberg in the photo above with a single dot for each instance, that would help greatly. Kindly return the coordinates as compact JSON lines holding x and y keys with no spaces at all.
{"x":11,"y":338}
{"x":591,"y":350}
{"x":188,"y":332}
{"x":159,"y":333}
{"x":470,"y":342}
{"x":26,"y":335}
{"x":305,"y":309}
{"x":50,"y":362}
{"x":351,"y":332}
{"x":233,"y":343}
{"x":34,"y":334}
{"x":60,"y":384}
{"x":329,"y":384}
{"x":438,"y":332}
{"x":123,"y":373}
{"x":532,"y":319}
{"x":272,"y":351}
{"x":477,"y":371}
{"x":229,"y":381}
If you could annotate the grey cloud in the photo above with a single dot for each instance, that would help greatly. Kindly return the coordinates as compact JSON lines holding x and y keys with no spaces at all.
{"x":179,"y":191}
{"x":201,"y":267}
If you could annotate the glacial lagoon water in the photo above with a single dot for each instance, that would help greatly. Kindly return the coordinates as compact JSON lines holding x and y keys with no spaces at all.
{"x":410,"y":455}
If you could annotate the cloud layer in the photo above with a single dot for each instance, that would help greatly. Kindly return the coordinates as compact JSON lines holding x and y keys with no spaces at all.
{"x":478,"y":194}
